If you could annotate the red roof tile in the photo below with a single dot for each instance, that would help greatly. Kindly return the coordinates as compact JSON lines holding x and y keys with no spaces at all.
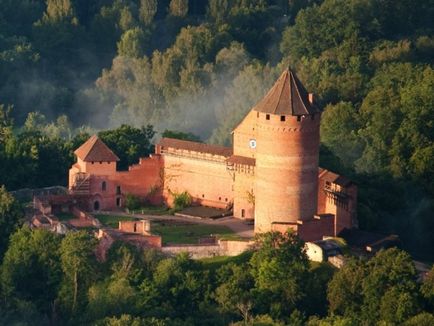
{"x":94,"y":150}
{"x":243,"y":160}
{"x":287,"y":97}
{"x":195,"y":146}
{"x":334,"y":178}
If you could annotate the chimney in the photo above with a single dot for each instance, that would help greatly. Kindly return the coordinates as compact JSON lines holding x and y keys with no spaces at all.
{"x":311,"y":98}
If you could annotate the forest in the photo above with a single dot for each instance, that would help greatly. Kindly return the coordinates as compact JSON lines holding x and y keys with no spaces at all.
{"x":131,"y":70}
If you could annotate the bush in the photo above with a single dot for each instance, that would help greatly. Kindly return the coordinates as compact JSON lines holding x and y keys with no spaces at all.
{"x":182,"y":200}
{"x":132,"y":202}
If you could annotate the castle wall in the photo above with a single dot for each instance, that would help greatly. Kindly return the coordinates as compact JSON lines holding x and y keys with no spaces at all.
{"x":207,"y":181}
{"x":141,"y":227}
{"x":286,"y":169}
{"x":243,"y":134}
{"x":244,"y":194}
{"x":97,"y":168}
{"x":339,"y":200}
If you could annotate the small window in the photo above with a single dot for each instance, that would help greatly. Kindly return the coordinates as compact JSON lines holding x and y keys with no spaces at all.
{"x":299,"y":118}
{"x":226,"y":199}
{"x":243,"y":212}
{"x":203,"y":196}
{"x":267,"y":117}
{"x":118,"y":202}
{"x":100,"y":162}
{"x":220,"y":198}
{"x":118,"y":190}
{"x":282,"y":118}
{"x":108,"y":162}
{"x":93,"y":162}
{"x":103,"y":186}
{"x":257,"y":114}
{"x":135,"y":227}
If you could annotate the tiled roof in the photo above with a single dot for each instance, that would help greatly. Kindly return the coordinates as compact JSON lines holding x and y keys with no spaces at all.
{"x":334,"y":178}
{"x":94,"y":150}
{"x":195,"y":146}
{"x":236,"y":159}
{"x":287,"y":97}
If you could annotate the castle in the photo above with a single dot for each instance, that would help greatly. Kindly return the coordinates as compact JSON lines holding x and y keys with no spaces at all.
{"x":271,"y":173}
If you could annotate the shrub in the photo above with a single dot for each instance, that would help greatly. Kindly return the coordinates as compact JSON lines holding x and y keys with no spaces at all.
{"x":132,"y":202}
{"x":182,"y":200}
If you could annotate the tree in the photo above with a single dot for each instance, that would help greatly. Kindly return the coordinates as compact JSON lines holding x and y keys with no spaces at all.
{"x":339,"y":128}
{"x":11,"y":214}
{"x":79,"y":269}
{"x":181,"y":287}
{"x":345,"y":289}
{"x":148,"y":9}
{"x":427,"y":288}
{"x":235,"y":289}
{"x":178,"y":8}
{"x":279,"y":268}
{"x":390,"y":282}
{"x":132,"y":43}
{"x":181,"y":135}
{"x":31,"y":269}
{"x":129,"y":143}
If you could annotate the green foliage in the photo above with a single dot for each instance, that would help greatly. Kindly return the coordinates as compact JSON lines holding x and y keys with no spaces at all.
{"x":181,"y":200}
{"x":132,"y":202}
{"x":132,"y":43}
{"x":381,"y":289}
{"x":11,"y":215}
{"x":178,"y":8}
{"x":148,"y":9}
{"x":279,"y":269}
{"x":31,"y":270}
{"x":79,"y":270}
{"x":129,"y":143}
{"x":181,"y":135}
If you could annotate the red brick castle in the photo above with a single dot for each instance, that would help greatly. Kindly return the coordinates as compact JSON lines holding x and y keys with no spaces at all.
{"x":270,"y":174}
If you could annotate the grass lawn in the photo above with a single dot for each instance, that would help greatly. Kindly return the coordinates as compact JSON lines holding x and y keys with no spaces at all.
{"x":215,"y":263}
{"x":64,"y":216}
{"x":113,"y":220}
{"x":190,"y":233}
{"x":151,"y":210}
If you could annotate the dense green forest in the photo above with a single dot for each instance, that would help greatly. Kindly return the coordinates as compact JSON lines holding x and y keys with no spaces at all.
{"x":133,"y":69}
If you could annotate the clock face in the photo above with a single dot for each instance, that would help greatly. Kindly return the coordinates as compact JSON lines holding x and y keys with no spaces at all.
{"x":252,"y":143}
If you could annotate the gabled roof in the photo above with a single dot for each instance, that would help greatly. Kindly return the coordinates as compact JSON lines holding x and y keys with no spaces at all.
{"x":195,"y":146}
{"x":94,"y":150}
{"x":287,"y":97}
{"x":334,"y":178}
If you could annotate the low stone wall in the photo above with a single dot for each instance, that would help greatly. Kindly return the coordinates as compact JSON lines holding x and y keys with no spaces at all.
{"x":85,"y":216}
{"x":222,"y":248}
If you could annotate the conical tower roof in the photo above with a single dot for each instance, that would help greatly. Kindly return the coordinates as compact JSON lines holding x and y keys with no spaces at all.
{"x":287,"y":97}
{"x":94,"y":150}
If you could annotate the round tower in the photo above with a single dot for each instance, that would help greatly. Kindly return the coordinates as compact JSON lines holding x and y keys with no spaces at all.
{"x":287,"y":153}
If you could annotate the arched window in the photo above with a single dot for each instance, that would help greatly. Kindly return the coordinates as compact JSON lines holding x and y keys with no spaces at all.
{"x":103,"y":186}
